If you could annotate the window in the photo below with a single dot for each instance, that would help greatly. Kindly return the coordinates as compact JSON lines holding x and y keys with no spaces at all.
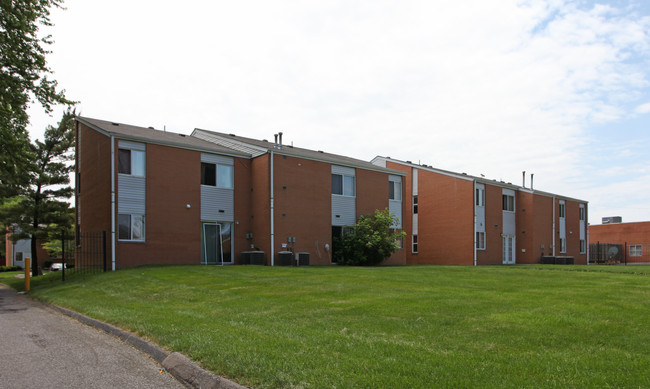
{"x":415,"y":244}
{"x":415,"y":204}
{"x":582,"y":213}
{"x":217,"y":175}
{"x":636,"y":250}
{"x":480,"y":240}
{"x":130,"y":162}
{"x":394,"y":190}
{"x":509,"y":203}
{"x":562,"y":210}
{"x":343,"y":185}
{"x":583,"y":246}
{"x":562,"y":245}
{"x":131,"y":227}
{"x":480,"y":197}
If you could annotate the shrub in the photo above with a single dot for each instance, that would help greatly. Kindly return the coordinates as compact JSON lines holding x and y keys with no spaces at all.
{"x":372,"y":241}
{"x":10,"y":268}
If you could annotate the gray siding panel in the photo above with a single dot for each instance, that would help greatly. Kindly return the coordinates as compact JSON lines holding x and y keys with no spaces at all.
{"x":126,"y":144}
{"x":344,"y":210}
{"x":131,"y":194}
{"x":217,"y":204}
{"x":215,"y":158}
{"x":348,"y":171}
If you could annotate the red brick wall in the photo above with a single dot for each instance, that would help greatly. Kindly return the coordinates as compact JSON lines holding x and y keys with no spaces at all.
{"x":94,"y":166}
{"x":172,"y":231}
{"x":243,"y":221}
{"x":260,"y":205}
{"x":525,"y":228}
{"x":303,"y":206}
{"x":625,"y":234}
{"x":542,"y":227}
{"x":446,"y":220}
{"x":372,"y":195}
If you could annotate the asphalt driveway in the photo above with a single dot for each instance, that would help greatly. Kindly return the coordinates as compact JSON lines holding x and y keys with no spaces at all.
{"x":40,"y":348}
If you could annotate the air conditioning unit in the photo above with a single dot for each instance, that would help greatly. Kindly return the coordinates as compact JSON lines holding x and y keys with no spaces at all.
{"x":251,"y":258}
{"x":285,"y":258}
{"x":302,"y":259}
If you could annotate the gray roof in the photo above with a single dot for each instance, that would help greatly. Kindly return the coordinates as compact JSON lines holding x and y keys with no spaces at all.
{"x":257,"y":147}
{"x":481,"y":180}
{"x":151,"y":135}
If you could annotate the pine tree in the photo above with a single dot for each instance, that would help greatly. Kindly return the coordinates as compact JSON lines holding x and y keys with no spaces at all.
{"x":42,"y":206}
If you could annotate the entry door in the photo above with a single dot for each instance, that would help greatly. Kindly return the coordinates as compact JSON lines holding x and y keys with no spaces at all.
{"x":212,"y":247}
{"x":508,"y":250}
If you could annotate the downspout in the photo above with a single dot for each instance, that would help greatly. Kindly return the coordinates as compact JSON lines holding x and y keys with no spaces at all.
{"x":272,"y":222}
{"x":112,"y":203}
{"x":586,"y":221}
{"x":553,"y":225}
{"x":474,"y":205}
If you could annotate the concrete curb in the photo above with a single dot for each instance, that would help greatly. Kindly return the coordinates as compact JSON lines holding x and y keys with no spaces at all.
{"x":178,"y":365}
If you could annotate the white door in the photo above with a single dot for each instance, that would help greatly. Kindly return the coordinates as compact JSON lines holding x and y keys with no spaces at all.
{"x":508,"y":250}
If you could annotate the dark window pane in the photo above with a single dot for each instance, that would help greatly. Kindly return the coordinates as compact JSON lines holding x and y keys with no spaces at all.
{"x":124,"y":227}
{"x":124,"y":161}
{"x":337,"y":184}
{"x":391,"y":190}
{"x":208,"y":174}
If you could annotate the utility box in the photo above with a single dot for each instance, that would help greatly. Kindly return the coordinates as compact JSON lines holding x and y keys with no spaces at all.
{"x":251,"y":258}
{"x":302,"y":259}
{"x":285,"y":258}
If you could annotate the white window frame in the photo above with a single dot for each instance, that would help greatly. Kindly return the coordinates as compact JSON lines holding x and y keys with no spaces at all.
{"x":480,"y":197}
{"x":563,"y":245}
{"x":132,"y":222}
{"x":217,"y":182}
{"x":415,"y":204}
{"x":414,"y":243}
{"x":480,"y":240}
{"x":562,"y":211}
{"x":582,"y":213}
{"x":345,"y":185}
{"x":509,"y":204}
{"x":142,"y":156}
{"x":636,"y":250}
{"x":397,"y":190}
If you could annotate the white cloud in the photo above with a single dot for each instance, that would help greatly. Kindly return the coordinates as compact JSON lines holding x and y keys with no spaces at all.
{"x":643,"y":108}
{"x":475,"y":86}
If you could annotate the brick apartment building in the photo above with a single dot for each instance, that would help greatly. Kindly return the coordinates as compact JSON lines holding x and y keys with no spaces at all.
{"x":632,"y":238}
{"x":167,"y":198}
{"x":454,"y":218}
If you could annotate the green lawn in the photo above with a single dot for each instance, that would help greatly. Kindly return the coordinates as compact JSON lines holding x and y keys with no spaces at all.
{"x":385,"y":327}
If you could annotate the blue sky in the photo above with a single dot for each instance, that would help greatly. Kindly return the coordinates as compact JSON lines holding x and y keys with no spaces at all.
{"x":557,"y":88}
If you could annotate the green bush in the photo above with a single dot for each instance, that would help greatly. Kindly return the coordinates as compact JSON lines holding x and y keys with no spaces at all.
{"x":10,"y":268}
{"x":372,"y":241}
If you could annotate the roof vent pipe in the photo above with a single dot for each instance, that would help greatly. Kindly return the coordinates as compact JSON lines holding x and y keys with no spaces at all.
{"x":280,"y":139}
{"x":523,"y":177}
{"x":276,"y":139}
{"x":531,"y":181}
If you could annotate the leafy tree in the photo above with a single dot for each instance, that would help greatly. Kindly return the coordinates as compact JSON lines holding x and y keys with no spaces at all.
{"x":372,"y":241}
{"x":23,"y":78}
{"x":42,"y":209}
